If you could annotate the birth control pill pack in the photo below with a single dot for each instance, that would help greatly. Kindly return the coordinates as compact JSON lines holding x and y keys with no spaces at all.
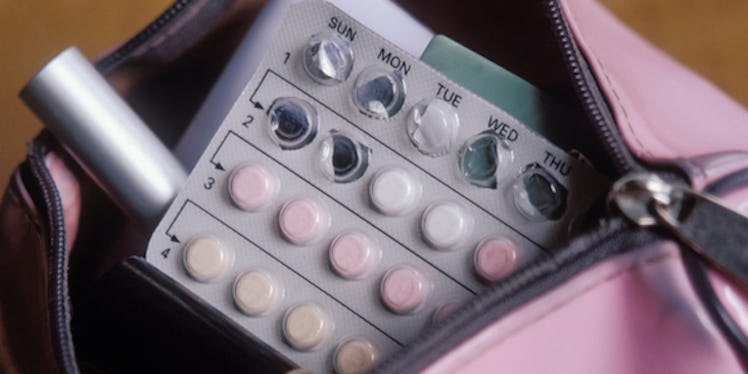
{"x":353,"y":195}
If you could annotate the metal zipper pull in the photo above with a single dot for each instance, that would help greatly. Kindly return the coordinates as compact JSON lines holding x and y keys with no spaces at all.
{"x":716,"y":232}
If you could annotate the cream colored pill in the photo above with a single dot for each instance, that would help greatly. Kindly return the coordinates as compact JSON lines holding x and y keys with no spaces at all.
{"x":306,"y":326}
{"x":356,"y":356}
{"x":256,"y":292}
{"x":206,"y":258}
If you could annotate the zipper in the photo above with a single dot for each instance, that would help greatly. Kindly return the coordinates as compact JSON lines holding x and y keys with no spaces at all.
{"x":612,"y":237}
{"x":41,"y":186}
{"x":698,"y":220}
{"x":592,"y":98}
{"x":709,"y":233}
{"x":645,"y":200}
{"x":645,"y":209}
{"x":110,"y":62}
{"x":37,"y":178}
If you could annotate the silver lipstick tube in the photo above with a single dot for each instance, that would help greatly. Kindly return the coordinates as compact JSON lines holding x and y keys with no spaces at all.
{"x":108,"y":139}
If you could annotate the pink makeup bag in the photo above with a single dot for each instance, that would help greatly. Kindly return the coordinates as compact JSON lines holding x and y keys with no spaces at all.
{"x":619,"y":298}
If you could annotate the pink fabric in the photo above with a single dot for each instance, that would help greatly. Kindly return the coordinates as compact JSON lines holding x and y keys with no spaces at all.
{"x":664,"y":110}
{"x":738,"y":200}
{"x":708,"y":168}
{"x":732,"y":297}
{"x":633,"y":314}
{"x":636,"y":313}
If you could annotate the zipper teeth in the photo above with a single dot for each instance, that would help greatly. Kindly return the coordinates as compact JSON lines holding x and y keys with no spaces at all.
{"x":57,"y":241}
{"x":621,"y":157}
{"x":564,"y":264}
{"x":55,"y":216}
{"x":512,"y":292}
{"x":507,"y":289}
{"x":113,"y":59}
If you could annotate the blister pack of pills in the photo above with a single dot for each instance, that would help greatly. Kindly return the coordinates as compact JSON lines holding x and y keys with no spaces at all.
{"x":353,"y":195}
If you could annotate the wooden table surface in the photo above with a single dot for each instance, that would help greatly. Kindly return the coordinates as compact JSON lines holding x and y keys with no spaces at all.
{"x":709,"y":36}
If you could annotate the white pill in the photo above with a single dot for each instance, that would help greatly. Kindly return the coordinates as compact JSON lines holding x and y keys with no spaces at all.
{"x":445,"y":225}
{"x":394,"y":191}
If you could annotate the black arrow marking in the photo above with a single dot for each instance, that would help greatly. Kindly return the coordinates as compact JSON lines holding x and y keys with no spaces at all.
{"x":218,"y":166}
{"x":396,"y":152}
{"x":174,"y":237}
{"x":290,"y":268}
{"x":252,"y":97}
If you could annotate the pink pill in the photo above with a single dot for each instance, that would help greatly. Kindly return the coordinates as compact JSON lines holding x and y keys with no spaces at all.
{"x":445,"y":310}
{"x":495,"y":258}
{"x":404,"y":290}
{"x":353,"y":255}
{"x":253,"y":187}
{"x":303,"y":221}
